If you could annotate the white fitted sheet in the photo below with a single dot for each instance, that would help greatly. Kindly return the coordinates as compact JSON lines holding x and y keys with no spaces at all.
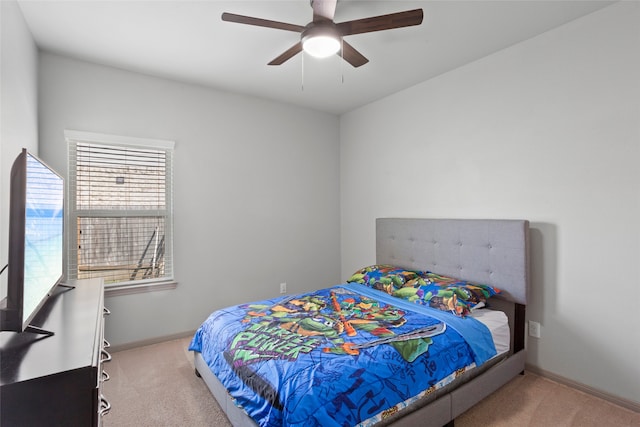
{"x":498,"y":324}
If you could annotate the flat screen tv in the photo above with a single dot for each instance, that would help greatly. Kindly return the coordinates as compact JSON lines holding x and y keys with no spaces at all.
{"x":36,"y":239}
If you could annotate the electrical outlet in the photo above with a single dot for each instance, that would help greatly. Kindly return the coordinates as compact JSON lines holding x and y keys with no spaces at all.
{"x":283,"y":288}
{"x":534,"y":329}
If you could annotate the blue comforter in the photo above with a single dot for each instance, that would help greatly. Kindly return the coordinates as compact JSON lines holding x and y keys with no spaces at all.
{"x":340,"y":356}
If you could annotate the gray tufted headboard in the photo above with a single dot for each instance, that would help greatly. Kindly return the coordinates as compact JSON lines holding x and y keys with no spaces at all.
{"x":494,"y":252}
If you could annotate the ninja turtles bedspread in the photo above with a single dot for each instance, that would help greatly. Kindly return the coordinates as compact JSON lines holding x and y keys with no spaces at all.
{"x":340,"y":356}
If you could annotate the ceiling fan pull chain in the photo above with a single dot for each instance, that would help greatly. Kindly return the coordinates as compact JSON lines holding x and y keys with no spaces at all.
{"x":302,"y":74}
{"x":342,"y":62}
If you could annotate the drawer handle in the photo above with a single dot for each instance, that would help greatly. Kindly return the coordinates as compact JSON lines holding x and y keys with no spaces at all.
{"x":105,"y":343}
{"x":105,"y":376}
{"x":107,"y":356}
{"x":105,"y":406}
{"x":106,"y":311}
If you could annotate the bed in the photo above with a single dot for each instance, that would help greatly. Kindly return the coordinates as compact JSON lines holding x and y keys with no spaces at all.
{"x":383,"y":316}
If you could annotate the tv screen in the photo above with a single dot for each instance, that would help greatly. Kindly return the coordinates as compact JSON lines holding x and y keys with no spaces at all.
{"x":36,"y":239}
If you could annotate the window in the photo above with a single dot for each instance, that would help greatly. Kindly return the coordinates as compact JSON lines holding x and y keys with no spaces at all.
{"x":120,"y":210}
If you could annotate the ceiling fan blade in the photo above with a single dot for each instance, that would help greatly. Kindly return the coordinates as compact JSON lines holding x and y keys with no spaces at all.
{"x":288,"y":54}
{"x":323,"y":10}
{"x":382,"y":22}
{"x":241,"y":19}
{"x":351,"y":55}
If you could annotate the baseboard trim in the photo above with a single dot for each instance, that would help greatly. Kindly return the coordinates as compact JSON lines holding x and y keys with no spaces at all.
{"x":151,"y":341}
{"x":625,"y":403}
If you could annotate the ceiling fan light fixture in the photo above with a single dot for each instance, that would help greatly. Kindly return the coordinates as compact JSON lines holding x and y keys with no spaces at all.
{"x":321,"y":41}
{"x":321,"y":46}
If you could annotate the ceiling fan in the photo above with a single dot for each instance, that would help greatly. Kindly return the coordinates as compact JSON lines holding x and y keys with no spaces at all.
{"x":322,"y":37}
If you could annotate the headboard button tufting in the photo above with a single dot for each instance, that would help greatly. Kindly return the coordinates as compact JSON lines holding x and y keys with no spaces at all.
{"x":493,"y":251}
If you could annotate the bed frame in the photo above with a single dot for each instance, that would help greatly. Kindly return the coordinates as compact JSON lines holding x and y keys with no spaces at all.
{"x":494,"y":252}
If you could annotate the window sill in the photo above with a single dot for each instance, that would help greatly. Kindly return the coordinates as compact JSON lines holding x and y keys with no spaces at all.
{"x":140,"y":288}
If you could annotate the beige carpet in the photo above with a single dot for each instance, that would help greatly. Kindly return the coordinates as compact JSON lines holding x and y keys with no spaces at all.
{"x":156,"y":386}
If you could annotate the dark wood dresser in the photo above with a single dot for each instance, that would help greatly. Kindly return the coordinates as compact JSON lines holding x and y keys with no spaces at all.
{"x":56,"y":380}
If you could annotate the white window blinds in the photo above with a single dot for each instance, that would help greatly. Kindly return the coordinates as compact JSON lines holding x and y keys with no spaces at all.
{"x":120,"y":209}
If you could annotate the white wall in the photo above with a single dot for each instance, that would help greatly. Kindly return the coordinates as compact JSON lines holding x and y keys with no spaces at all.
{"x":18,"y":108}
{"x":546,"y":130}
{"x":256,"y":188}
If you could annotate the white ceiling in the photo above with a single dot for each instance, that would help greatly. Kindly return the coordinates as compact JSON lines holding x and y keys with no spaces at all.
{"x":187,"y":41}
